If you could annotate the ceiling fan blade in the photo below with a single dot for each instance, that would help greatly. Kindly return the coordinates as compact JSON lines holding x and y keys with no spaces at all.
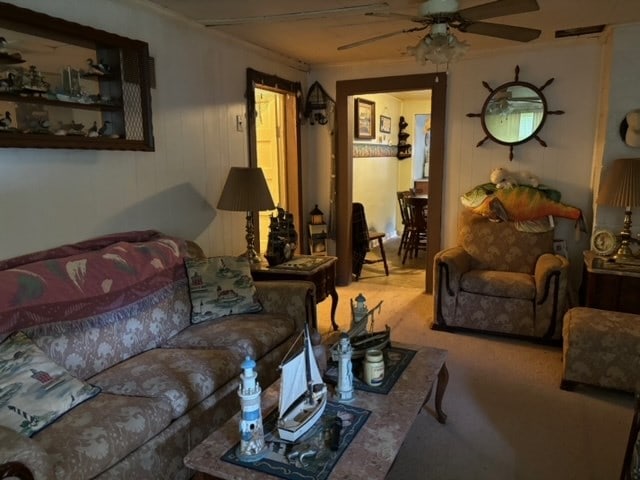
{"x":283,"y":17}
{"x":378,"y":37}
{"x":509,"y":32}
{"x":499,"y":8}
{"x":402,"y":16}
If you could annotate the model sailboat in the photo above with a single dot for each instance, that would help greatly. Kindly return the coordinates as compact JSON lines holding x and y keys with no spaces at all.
{"x":303,"y":394}
{"x":361,"y":333}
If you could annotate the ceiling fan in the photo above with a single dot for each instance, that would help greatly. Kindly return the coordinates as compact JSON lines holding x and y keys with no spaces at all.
{"x":441,"y":15}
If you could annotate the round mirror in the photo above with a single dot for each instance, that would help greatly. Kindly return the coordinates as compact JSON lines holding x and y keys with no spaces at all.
{"x":513,"y":113}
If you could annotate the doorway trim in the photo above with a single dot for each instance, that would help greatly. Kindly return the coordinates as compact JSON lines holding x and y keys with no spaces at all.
{"x":256,"y":79}
{"x":437,"y":83}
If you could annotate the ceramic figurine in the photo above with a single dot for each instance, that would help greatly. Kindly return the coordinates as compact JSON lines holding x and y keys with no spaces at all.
{"x":344,"y":389}
{"x":283,"y":238}
{"x":93,"y":131}
{"x":97,"y":68}
{"x":5,"y":122}
{"x":252,"y":446}
{"x":6,"y":84}
{"x":359,"y":311}
{"x":105,"y":127}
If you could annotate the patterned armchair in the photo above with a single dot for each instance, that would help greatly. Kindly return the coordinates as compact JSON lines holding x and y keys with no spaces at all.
{"x":500,"y":280}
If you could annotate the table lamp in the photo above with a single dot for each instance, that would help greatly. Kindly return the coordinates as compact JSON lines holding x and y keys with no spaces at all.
{"x":620,"y":187}
{"x":246,"y":190}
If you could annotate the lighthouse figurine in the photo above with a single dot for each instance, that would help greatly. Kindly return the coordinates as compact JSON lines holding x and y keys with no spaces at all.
{"x":359,"y":311}
{"x":252,"y":446}
{"x":344,"y":389}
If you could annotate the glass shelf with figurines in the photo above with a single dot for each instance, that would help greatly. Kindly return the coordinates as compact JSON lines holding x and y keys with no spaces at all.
{"x":65,"y":85}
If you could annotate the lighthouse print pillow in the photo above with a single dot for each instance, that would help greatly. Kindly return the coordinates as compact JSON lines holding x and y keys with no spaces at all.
{"x":34,"y":390}
{"x":220,"y":286}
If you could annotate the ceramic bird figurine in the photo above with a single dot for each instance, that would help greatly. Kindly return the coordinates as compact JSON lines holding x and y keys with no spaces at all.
{"x":93,"y":131}
{"x":5,"y":122}
{"x":97,"y":68}
{"x":60,"y":131}
{"x":7,"y":83}
{"x":105,"y":126}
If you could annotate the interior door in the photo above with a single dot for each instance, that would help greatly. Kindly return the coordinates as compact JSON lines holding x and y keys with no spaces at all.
{"x":273,"y":110}
{"x":270,"y":152}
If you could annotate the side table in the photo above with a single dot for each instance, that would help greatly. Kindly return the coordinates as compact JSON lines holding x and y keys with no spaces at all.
{"x":320,"y":270}
{"x":609,"y":286}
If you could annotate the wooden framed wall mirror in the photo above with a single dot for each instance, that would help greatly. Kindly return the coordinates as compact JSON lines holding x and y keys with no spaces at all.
{"x":514,"y":113}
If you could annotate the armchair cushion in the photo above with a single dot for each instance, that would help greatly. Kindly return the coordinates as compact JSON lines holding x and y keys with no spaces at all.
{"x":499,"y":246}
{"x":499,"y":284}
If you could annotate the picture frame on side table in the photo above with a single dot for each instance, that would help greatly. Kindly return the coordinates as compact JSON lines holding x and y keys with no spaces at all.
{"x":365,"y":114}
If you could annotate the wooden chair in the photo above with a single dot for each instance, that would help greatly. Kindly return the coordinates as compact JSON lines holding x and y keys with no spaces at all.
{"x":404,"y":213}
{"x":417,"y":235}
{"x":361,"y":236}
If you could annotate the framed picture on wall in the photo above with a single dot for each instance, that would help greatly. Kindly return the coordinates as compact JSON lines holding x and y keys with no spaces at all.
{"x":385,"y":124}
{"x":365,"y":114}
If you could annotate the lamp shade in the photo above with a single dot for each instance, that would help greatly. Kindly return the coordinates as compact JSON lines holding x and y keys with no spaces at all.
{"x":246,"y":190}
{"x":621,"y":185}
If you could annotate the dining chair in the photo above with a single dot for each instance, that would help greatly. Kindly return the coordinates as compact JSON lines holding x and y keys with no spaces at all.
{"x":404,"y":215}
{"x":417,"y":235}
{"x":361,"y":237}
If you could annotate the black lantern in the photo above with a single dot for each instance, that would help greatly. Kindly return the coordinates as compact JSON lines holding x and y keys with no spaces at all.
{"x":317,"y":217}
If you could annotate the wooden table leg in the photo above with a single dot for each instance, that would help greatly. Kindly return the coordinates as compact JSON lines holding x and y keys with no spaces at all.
{"x":443,"y":380}
{"x":334,"y":305}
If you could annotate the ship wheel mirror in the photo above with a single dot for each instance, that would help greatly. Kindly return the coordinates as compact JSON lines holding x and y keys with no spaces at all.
{"x":514,"y":113}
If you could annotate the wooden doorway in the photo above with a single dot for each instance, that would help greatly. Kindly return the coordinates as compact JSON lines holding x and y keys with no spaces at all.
{"x":273,"y":110}
{"x":437,"y":83}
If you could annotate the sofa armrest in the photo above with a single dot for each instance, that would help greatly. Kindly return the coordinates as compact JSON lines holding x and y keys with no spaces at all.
{"x":23,"y":457}
{"x":551,"y":277}
{"x":547,"y":268}
{"x":293,"y":298}
{"x":452,"y":263}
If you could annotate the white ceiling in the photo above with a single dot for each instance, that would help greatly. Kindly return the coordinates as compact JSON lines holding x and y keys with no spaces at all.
{"x":315,"y":40}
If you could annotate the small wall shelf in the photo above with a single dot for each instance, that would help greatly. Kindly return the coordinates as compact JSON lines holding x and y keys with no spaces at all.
{"x":404,"y":148}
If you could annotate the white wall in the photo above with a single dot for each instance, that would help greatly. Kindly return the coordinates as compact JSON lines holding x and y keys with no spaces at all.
{"x":564,"y":165}
{"x":619,"y":96}
{"x":375,"y":178}
{"x":50,"y":197}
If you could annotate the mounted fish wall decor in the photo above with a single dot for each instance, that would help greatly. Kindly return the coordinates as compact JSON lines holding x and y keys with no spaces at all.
{"x":530,"y":208}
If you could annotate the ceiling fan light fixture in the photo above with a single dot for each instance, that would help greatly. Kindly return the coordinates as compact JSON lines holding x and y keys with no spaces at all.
{"x":435,"y":7}
{"x":439,"y":48}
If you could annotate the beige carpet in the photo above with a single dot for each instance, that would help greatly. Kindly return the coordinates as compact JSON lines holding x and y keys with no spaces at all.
{"x":507,"y":417}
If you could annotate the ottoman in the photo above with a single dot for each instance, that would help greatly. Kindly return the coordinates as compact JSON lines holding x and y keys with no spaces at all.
{"x":601,"y":348}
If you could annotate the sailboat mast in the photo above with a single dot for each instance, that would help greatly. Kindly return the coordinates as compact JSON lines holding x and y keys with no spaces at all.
{"x":307,"y":361}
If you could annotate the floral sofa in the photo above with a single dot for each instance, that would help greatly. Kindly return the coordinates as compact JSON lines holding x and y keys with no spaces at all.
{"x":110,"y":318}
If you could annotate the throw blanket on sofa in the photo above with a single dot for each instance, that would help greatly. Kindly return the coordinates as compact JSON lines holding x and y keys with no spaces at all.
{"x":111,"y":271}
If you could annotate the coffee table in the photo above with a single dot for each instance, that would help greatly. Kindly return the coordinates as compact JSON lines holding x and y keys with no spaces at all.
{"x":373,"y":450}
